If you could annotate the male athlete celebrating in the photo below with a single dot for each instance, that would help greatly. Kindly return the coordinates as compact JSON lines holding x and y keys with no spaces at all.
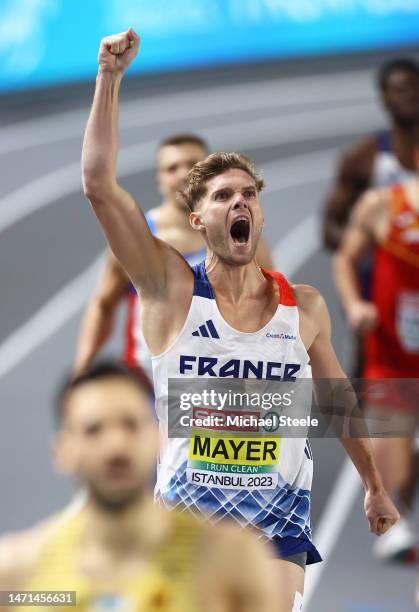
{"x":175,"y":157}
{"x":228,"y":307}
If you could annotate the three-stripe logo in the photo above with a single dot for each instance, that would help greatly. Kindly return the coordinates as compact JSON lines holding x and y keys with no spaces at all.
{"x":207,"y":330}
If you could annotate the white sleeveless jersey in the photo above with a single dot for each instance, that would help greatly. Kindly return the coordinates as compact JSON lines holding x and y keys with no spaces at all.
{"x":387,"y":170}
{"x":136,"y":352}
{"x":278,"y":500}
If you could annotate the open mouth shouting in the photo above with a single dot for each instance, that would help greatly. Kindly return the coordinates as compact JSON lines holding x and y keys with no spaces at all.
{"x":240,"y":231}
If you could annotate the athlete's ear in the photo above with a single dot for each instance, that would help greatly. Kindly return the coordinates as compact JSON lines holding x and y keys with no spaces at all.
{"x":195,"y":219}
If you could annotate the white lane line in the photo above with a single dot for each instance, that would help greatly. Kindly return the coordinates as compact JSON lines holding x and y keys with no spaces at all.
{"x":319,"y":124}
{"x":49,"y":318}
{"x":37,"y":194}
{"x":277,"y":93}
{"x":334,"y":516}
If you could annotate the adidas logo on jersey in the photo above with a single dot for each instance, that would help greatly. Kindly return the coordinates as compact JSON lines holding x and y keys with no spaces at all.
{"x":207,"y":330}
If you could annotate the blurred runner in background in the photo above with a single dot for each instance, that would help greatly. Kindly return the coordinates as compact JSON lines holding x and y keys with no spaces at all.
{"x":382,"y":159}
{"x":119,"y":551}
{"x":385,"y":222}
{"x":170,"y":222}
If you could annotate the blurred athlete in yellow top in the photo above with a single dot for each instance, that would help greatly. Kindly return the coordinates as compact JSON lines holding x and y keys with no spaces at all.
{"x":119,"y":551}
{"x":170,"y":222}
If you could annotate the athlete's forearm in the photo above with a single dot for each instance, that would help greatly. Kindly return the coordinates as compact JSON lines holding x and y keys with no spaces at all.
{"x":95,"y":331}
{"x":100,"y":145}
{"x":360,"y":453}
{"x":346,"y":279}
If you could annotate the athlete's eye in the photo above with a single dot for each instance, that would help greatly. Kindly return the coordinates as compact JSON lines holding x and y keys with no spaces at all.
{"x":249,"y":193}
{"x":93,"y":429}
{"x":131,"y":424}
{"x":222,"y":195}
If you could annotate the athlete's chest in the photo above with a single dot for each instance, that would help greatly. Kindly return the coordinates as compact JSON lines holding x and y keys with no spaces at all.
{"x":249,"y":315}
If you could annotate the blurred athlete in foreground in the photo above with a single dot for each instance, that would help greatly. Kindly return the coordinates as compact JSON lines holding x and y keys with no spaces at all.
{"x":169,"y":222}
{"x":385,"y":222}
{"x":120,"y":551}
{"x":224,"y":318}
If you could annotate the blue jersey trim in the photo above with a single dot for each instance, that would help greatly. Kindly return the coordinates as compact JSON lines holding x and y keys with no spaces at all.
{"x":286,"y":547}
{"x":202,"y":286}
{"x":201,"y":254}
{"x":384,"y":141}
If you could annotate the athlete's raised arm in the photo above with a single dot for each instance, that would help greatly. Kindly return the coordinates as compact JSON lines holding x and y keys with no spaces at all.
{"x":126,"y":229}
{"x":314,"y":315}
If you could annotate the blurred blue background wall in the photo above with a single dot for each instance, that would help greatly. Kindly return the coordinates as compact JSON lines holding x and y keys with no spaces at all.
{"x":52,"y":41}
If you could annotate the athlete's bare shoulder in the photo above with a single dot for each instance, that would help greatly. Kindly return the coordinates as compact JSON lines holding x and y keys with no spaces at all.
{"x":19,"y":552}
{"x":313,"y":311}
{"x":238,"y":566}
{"x":307,"y":296}
{"x":359,"y":158}
{"x":371,"y":211}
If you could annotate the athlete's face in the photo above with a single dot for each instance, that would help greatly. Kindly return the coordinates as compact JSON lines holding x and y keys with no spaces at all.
{"x":230,"y":217}
{"x":109,"y":440}
{"x":174,"y":163}
{"x":401,"y":96}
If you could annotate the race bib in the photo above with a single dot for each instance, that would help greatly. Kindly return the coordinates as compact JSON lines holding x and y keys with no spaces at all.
{"x":233,"y":460}
{"x":407,"y":321}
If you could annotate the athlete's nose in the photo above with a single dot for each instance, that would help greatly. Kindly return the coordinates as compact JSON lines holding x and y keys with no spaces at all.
{"x":239,"y":201}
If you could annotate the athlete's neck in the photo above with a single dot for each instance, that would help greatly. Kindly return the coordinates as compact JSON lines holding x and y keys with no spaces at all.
{"x":138,"y":527}
{"x":234,"y":282}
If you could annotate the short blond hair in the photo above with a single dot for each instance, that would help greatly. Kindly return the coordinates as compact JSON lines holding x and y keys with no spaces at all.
{"x":211,"y":166}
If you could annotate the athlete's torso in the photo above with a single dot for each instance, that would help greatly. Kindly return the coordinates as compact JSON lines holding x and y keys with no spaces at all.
{"x":224,"y":472}
{"x":386,"y":171}
{"x":136,"y":352}
{"x":165,"y":583}
{"x":392,"y":349}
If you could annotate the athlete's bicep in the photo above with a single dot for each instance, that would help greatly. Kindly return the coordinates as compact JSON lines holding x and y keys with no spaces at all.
{"x":130,"y":238}
{"x":358,"y":238}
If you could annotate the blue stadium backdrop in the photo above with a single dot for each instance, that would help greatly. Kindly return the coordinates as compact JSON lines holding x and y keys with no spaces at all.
{"x":51,"y":41}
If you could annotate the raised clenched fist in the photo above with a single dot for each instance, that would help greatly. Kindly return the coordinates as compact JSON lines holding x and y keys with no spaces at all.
{"x":116,"y":52}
